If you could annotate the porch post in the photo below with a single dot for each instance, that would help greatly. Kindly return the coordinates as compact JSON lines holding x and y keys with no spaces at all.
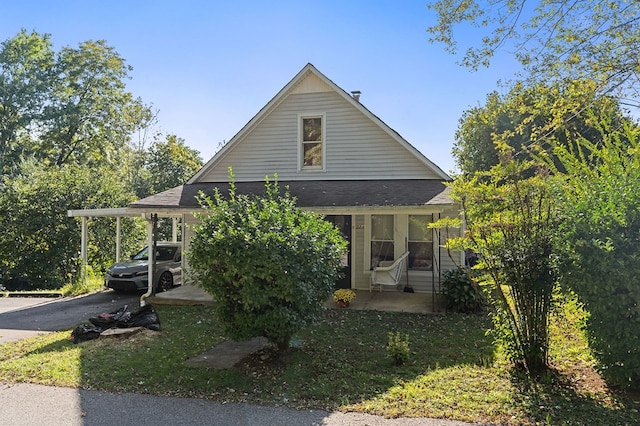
{"x":83,"y":250}
{"x":174,"y":229}
{"x":117,"y":239}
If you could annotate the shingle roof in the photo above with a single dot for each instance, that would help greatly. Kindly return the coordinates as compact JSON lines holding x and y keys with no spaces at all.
{"x":329,"y":193}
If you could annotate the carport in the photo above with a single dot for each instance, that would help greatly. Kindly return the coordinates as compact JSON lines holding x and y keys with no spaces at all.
{"x":118,"y":213}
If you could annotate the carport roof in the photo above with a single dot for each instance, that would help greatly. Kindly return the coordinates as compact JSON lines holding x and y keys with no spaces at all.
{"x":316,"y":194}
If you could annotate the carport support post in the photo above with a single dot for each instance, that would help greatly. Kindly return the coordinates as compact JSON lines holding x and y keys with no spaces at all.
{"x":83,"y":250}
{"x":174,"y":229}
{"x":117,"y":239}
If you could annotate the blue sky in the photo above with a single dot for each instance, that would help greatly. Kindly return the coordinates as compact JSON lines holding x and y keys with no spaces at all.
{"x":209,"y":66}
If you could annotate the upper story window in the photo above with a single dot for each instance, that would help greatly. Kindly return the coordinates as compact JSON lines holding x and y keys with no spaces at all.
{"x":312,"y":130}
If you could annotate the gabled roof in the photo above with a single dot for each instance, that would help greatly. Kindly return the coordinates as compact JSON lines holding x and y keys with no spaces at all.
{"x":279,"y":98}
{"x":316,"y":194}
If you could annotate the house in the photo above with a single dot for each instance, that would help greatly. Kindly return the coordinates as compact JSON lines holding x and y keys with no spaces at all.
{"x":340,"y":160}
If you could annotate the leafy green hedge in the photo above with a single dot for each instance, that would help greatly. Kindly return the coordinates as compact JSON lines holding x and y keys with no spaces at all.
{"x":461,"y":293}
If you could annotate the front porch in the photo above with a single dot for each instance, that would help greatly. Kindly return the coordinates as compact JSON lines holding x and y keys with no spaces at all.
{"x":390,"y":301}
{"x":394,"y":301}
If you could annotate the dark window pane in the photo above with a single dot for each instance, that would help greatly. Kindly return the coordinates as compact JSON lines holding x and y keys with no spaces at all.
{"x":381,"y":251}
{"x":312,"y":129}
{"x":421,"y":255}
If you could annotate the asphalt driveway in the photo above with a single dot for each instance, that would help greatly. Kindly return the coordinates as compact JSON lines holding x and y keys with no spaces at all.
{"x":22,"y":317}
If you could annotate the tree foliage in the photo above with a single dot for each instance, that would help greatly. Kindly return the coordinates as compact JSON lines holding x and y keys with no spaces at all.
{"x":269,"y":265}
{"x":526,"y":119}
{"x":66,"y":121}
{"x":90,"y":116}
{"x":168,"y":164}
{"x":26,"y":61}
{"x":39,"y":243}
{"x":510,"y":225}
{"x":599,"y":243}
{"x":65,"y":107}
{"x":553,"y":39}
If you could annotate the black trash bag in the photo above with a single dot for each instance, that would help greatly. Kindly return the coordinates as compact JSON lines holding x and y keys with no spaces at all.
{"x":144,"y":317}
{"x":108,"y":320}
{"x":85,"y":332}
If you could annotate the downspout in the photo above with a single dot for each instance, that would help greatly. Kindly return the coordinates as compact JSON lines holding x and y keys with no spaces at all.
{"x":152,"y":226}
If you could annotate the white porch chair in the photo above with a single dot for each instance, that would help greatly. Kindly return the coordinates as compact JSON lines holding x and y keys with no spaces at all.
{"x":388,"y":275}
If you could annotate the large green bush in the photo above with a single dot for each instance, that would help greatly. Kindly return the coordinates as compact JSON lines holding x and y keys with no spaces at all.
{"x":600,"y":246}
{"x":269,"y":265}
{"x":510,"y":225}
{"x":40,"y":244}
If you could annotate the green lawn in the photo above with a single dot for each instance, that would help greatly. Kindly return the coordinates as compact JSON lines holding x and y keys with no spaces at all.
{"x":454,"y":370}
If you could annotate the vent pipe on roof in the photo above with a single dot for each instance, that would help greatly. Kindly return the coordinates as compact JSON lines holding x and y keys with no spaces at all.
{"x":356,"y":95}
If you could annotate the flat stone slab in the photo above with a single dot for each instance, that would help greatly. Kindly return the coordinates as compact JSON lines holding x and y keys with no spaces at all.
{"x":227,"y":354}
{"x":121,"y":332}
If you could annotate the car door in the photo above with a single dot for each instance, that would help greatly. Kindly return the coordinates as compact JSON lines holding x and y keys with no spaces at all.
{"x":176,"y":267}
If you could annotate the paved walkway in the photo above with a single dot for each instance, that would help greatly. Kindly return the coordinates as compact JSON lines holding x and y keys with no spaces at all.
{"x":25,"y":404}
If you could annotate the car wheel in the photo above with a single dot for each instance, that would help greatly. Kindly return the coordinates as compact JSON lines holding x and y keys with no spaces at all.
{"x":165,"y":282}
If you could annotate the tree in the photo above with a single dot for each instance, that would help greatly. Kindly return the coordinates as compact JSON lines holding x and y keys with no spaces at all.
{"x":39,"y":243}
{"x":65,"y":125}
{"x":599,"y":243}
{"x":90,"y":116}
{"x":165,"y":165}
{"x":552,"y":39}
{"x":269,"y":265}
{"x":510,"y":225}
{"x":25,"y":64}
{"x":528,"y":118}
{"x":66,"y":107}
{"x":169,"y":164}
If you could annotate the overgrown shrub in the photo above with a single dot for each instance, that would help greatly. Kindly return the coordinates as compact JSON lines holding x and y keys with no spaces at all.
{"x":269,"y":265}
{"x":40,"y":244}
{"x":511,"y":225}
{"x":461,"y":293}
{"x":600,"y":243}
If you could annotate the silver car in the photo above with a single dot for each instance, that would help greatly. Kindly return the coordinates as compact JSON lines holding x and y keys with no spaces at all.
{"x":132,"y":275}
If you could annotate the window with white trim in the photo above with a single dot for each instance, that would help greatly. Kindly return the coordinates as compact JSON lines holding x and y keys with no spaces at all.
{"x":312,"y":142}
{"x":420,"y":241}
{"x":382,"y":246}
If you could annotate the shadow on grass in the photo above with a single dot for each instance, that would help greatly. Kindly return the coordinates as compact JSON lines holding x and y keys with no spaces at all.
{"x":344,"y":360}
{"x":341,"y":363}
{"x":560,"y":399}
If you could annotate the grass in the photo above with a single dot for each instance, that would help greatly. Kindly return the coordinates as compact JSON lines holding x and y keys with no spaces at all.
{"x":453,"y":371}
{"x":90,"y":284}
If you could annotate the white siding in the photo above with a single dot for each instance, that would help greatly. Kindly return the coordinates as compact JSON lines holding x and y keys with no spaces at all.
{"x":310,"y":84}
{"x":419,"y":281}
{"x":356,"y":147}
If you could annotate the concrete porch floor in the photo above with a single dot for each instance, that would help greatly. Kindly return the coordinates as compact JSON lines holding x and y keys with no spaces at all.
{"x":391,"y":301}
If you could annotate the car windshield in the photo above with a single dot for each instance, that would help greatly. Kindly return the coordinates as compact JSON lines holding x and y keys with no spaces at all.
{"x":162,"y":253}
